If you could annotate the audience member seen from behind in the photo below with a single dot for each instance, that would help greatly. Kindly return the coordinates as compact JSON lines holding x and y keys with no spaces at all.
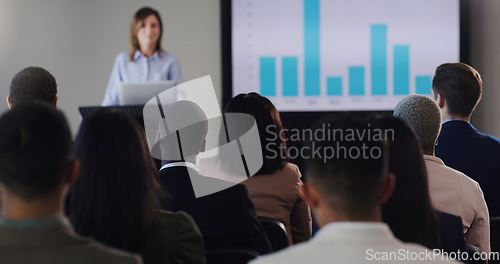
{"x":146,"y":61}
{"x":451,"y":191}
{"x":223,"y":211}
{"x":36,"y":170}
{"x":32,"y":83}
{"x":345,"y":194}
{"x":457,"y":89}
{"x":116,"y":198}
{"x":409,"y":212}
{"x":274,"y":189}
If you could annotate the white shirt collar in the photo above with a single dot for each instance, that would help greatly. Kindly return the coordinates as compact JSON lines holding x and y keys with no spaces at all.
{"x":180,"y":164}
{"x":433,"y":159}
{"x":348,"y":230}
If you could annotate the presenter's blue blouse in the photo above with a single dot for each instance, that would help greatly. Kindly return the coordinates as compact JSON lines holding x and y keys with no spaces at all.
{"x":160,"y":66}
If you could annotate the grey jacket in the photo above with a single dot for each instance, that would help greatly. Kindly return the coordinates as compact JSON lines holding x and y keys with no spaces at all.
{"x":52,"y":240}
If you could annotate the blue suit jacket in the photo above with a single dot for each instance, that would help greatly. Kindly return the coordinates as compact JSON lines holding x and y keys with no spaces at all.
{"x":463,"y":148}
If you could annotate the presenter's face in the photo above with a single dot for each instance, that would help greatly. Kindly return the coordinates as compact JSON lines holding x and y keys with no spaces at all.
{"x":149,"y":32}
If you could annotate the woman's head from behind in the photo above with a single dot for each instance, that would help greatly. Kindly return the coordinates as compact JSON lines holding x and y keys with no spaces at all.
{"x":408,"y":211}
{"x":272,"y":136}
{"x":145,"y":30}
{"x":117,"y":187}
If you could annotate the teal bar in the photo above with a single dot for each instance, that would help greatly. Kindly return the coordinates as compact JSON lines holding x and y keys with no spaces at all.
{"x":424,"y":84}
{"x":290,"y":76}
{"x":311,"y":48}
{"x":267,"y":76}
{"x":356,"y":80}
{"x":379,"y":59}
{"x":334,"y":86}
{"x":401,"y":70}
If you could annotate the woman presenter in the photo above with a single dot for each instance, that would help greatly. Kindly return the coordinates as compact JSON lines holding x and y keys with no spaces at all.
{"x":146,"y":61}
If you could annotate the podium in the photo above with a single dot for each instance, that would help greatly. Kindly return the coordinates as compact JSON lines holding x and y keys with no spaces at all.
{"x":133,"y":110}
{"x":136,"y":111}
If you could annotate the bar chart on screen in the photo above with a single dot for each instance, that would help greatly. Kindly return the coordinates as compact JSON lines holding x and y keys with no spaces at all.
{"x":324,"y":55}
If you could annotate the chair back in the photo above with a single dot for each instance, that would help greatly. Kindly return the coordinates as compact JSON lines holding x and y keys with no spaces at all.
{"x":495,"y":236}
{"x":471,"y":251}
{"x":276,"y":232}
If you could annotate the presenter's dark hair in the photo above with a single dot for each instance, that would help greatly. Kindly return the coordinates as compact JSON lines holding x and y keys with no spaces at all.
{"x":137,"y":21}
{"x":408,"y":212}
{"x":32,"y":83}
{"x":271,"y":133}
{"x":117,"y":192}
{"x":461,"y":86}
{"x":35,"y":147}
{"x":348,"y":183}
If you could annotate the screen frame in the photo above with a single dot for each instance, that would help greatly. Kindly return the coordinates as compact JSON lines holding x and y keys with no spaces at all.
{"x":226,"y":48}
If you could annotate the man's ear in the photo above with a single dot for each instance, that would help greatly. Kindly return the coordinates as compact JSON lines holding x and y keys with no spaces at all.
{"x":441,"y":101}
{"x":54,"y":100}
{"x":8,"y":102}
{"x":203,"y":145}
{"x":387,"y":188}
{"x":72,"y":171}
{"x":310,"y":195}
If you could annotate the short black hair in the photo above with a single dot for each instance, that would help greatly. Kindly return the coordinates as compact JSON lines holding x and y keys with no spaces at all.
{"x":272,"y":136}
{"x":461,"y":86}
{"x":347,"y":183}
{"x":423,"y":115}
{"x":190,"y":121}
{"x":35,"y":147}
{"x":32,"y":83}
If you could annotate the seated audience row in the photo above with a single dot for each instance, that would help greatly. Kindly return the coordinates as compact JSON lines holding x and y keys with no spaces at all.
{"x":345,"y":193}
{"x":116,"y":199}
{"x":119,"y":199}
{"x":36,"y":171}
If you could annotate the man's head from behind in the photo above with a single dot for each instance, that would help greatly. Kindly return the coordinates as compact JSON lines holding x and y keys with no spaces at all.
{"x":424,"y":116}
{"x":32,"y":83}
{"x":458,"y":87}
{"x":349,"y":178}
{"x":184,"y":123}
{"x":35,"y":151}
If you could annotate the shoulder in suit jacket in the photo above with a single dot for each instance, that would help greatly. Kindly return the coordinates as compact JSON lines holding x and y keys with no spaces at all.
{"x":56,"y":244}
{"x":465,"y":149}
{"x":175,"y":239}
{"x":226,"y":218}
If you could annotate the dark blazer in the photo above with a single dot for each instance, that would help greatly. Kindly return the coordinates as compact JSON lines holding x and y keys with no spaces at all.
{"x":463,"y":148}
{"x":451,"y":232}
{"x":54,"y":244}
{"x":176,"y":240}
{"x":226,"y":218}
